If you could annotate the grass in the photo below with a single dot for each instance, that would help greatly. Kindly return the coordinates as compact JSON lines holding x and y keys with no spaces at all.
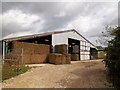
{"x":8,"y":72}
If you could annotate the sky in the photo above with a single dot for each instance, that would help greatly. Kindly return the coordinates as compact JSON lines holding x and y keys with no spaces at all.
{"x":88,"y":18}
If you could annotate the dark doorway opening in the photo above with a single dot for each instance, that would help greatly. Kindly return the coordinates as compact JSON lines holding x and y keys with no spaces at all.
{"x":93,"y":54}
{"x":39,"y":40}
{"x":74,"y":46}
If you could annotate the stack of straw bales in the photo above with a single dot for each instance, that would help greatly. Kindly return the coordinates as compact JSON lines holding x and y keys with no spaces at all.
{"x":74,"y":57}
{"x":60,"y":56}
{"x":32,"y":53}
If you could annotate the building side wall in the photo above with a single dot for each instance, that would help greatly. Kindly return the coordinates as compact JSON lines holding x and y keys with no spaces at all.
{"x":62,"y":38}
{"x":3,"y":50}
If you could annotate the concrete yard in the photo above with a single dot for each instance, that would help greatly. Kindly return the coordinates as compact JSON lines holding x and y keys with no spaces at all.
{"x":78,"y":74}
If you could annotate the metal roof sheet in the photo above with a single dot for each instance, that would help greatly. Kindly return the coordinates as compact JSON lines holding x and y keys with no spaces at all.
{"x":45,"y":34}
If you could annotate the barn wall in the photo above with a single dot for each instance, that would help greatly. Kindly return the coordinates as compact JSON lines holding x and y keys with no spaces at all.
{"x":62,"y":38}
{"x":3,"y":50}
{"x":85,"y":50}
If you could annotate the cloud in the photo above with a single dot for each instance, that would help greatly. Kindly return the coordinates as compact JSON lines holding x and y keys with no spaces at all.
{"x":15,"y":21}
{"x":89,"y":18}
{"x":16,"y":16}
{"x":91,"y":25}
{"x":52,"y":13}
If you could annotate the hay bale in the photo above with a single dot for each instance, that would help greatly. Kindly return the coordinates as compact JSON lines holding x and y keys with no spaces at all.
{"x":39,"y":58}
{"x":74,"y":57}
{"x":41,"y":49}
{"x":32,"y":53}
{"x":59,"y":59}
{"x":62,"y":49}
{"x":34,"y":58}
{"x":13,"y":56}
{"x":63,"y":59}
{"x":55,"y":58}
{"x":27,"y":59}
{"x":28,"y":48}
{"x":68,"y":58}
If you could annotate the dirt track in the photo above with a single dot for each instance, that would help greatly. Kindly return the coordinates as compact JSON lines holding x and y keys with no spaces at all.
{"x":79,"y":74}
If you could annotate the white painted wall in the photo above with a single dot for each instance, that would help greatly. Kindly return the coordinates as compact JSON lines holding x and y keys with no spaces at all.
{"x":62,"y":38}
{"x":3,"y":57}
{"x":85,"y":55}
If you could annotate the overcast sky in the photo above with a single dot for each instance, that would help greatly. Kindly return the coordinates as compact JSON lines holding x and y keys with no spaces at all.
{"x":88,"y":18}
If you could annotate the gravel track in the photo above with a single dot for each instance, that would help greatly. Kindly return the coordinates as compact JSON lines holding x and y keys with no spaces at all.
{"x":79,"y":74}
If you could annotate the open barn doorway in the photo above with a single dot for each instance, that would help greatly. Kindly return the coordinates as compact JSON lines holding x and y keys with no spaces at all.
{"x":74,"y":46}
{"x":93,"y":54}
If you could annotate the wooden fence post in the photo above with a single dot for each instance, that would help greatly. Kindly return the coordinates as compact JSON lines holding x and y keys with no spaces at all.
{"x":22,"y":55}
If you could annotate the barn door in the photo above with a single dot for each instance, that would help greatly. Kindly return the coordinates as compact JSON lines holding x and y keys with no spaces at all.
{"x":74,"y":46}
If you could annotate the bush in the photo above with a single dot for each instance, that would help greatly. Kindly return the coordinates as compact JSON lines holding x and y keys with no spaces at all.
{"x":113,"y":58}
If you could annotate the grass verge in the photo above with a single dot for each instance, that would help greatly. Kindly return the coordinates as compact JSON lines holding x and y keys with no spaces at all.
{"x":8,"y":72}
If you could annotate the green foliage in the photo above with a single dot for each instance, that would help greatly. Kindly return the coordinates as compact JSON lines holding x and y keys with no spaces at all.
{"x":106,"y":36}
{"x":113,"y":57}
{"x":8,"y":72}
{"x":100,"y":48}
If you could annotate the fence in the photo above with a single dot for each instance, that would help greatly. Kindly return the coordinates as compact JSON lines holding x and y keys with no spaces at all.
{"x":14,"y":57}
{"x":13,"y":64}
{"x":20,"y":53}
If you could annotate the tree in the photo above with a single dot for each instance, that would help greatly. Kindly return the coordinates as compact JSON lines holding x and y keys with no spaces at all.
{"x":113,"y":57}
{"x":106,"y":36}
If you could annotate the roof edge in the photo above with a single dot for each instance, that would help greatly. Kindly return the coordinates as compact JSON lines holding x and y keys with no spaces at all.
{"x":83,"y":37}
{"x":47,"y":33}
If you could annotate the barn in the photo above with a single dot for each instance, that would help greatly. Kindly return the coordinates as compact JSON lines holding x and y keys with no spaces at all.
{"x":76,"y":43}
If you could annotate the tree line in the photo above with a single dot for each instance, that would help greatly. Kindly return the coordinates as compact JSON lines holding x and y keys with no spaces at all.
{"x":112,"y":60}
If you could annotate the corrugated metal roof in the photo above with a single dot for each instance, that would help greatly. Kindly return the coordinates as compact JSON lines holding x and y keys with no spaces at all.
{"x":35,"y":35}
{"x":45,"y":34}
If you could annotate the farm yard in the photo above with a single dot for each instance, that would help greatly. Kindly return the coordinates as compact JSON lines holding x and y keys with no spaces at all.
{"x":52,"y":62}
{"x":72,"y":44}
{"x":78,"y":74}
{"x":60,"y":63}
